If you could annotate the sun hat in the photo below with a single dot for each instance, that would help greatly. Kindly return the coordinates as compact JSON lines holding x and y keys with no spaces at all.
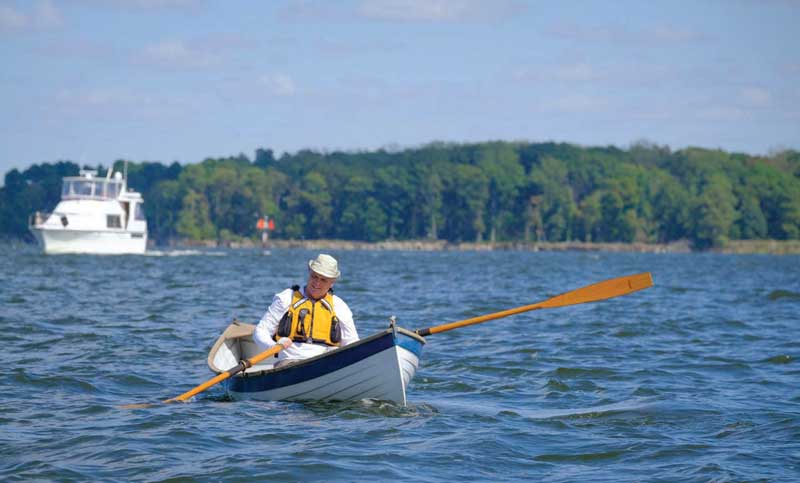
{"x":325,"y":265}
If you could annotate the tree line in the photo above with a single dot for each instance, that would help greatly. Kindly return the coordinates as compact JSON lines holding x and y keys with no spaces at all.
{"x":491,"y":191}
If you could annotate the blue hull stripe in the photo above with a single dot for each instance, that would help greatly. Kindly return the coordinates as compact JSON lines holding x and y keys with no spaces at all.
{"x":411,"y":345}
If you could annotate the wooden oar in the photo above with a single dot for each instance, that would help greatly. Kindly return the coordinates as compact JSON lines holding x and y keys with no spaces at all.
{"x":230,"y":372}
{"x":591,"y":293}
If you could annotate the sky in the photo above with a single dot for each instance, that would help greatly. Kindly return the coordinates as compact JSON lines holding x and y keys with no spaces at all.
{"x":93,"y":81}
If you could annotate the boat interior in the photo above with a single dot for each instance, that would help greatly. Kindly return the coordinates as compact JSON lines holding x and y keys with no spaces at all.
{"x":236,"y":343}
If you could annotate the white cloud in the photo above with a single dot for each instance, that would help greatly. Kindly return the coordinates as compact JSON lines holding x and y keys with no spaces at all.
{"x":436,"y":10}
{"x":577,"y":103}
{"x":671,"y":35}
{"x":755,"y":97}
{"x":120,"y":104}
{"x":147,"y":4}
{"x":168,"y":51}
{"x":577,"y":72}
{"x":46,"y":15}
{"x":574,"y":72}
{"x":43,"y":15}
{"x":721,"y":113}
{"x":620,"y":35}
{"x":12,"y":19}
{"x":176,"y":53}
{"x":792,"y":68}
{"x":311,"y":9}
{"x":160,"y":3}
{"x":100,"y":98}
{"x":280,"y":85}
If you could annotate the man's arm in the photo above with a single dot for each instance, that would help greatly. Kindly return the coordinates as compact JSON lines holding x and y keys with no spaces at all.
{"x":349,"y":332}
{"x":268,"y":325}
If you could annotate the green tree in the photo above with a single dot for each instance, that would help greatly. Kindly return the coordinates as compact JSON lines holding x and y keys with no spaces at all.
{"x":615,"y":221}
{"x":752,"y":224}
{"x":163,"y":209}
{"x":466,"y":191}
{"x":789,"y":217}
{"x":714,"y":213}
{"x":429,"y":193}
{"x":194,"y":222}
{"x":312,"y":200}
{"x":588,"y":221}
{"x":394,"y":186}
{"x":356,"y":197}
{"x":671,"y":206}
{"x":549,"y":179}
{"x":499,"y":162}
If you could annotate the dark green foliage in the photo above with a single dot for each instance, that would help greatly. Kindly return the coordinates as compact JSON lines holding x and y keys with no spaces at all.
{"x":495,"y":191}
{"x":38,"y":188}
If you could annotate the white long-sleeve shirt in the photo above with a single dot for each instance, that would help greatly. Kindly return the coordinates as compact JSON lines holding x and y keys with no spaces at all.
{"x":268,"y":325}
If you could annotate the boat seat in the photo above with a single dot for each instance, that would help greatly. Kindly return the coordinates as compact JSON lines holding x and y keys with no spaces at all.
{"x":259,"y":367}
{"x":249,"y":349}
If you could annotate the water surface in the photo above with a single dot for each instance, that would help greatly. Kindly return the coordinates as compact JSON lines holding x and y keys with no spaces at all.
{"x":695,"y":379}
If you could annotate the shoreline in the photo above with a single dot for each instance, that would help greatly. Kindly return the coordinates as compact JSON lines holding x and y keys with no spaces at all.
{"x":771,"y":247}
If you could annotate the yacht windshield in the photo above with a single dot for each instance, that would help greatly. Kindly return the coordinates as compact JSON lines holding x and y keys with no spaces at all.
{"x":82,"y":188}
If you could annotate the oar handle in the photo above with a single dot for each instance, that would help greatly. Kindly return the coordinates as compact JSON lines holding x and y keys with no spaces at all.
{"x":243,"y":365}
{"x":591,"y":293}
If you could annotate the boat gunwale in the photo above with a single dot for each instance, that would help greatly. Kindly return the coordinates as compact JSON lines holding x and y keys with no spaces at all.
{"x":237,"y":330}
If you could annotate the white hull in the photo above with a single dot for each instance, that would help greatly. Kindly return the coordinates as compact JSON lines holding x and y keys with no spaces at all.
{"x":60,"y":241}
{"x":383,"y":376}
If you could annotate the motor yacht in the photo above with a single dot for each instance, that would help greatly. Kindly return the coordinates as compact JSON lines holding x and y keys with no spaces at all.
{"x":95,"y":215}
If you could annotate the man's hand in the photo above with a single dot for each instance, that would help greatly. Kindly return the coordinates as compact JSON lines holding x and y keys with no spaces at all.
{"x":285,"y":342}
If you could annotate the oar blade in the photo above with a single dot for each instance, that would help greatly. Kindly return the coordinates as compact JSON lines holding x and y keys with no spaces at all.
{"x":601,"y":291}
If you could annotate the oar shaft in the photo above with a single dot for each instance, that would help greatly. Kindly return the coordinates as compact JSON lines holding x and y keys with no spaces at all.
{"x":477,"y":320}
{"x":204,"y":386}
{"x":591,"y":293}
{"x":230,"y":372}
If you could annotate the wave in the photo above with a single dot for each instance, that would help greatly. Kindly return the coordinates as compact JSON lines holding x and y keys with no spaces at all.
{"x":779,"y":359}
{"x":783,"y":294}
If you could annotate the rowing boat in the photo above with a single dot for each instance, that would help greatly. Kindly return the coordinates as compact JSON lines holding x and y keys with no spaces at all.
{"x":377,"y":367}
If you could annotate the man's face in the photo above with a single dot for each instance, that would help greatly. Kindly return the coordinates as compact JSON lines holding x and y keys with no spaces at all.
{"x":318,"y":285}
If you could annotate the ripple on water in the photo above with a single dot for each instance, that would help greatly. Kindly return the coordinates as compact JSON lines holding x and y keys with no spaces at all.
{"x":58,"y":382}
{"x":780,"y":359}
{"x":583,"y":372}
{"x":557,"y":385}
{"x":787,"y":295}
{"x":628,"y":333}
{"x":583,"y":457}
{"x":368,"y":408}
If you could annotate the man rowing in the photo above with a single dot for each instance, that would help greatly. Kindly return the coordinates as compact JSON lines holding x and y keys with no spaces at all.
{"x":308,"y":321}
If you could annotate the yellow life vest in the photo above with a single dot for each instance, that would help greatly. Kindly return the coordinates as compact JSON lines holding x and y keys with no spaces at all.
{"x":310,"y":321}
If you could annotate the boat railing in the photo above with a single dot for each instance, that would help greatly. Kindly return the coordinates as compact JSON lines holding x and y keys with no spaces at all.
{"x":38,"y":218}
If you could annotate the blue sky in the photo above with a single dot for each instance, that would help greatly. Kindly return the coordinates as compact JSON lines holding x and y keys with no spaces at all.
{"x":93,"y":81}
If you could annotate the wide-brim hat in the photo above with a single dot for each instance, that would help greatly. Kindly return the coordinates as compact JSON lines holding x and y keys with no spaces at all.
{"x":325,"y":265}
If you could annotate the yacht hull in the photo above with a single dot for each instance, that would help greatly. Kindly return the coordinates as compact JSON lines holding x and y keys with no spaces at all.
{"x":58,"y":241}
